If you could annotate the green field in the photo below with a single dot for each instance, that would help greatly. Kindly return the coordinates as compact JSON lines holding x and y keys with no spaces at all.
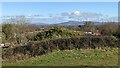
{"x":90,"y":57}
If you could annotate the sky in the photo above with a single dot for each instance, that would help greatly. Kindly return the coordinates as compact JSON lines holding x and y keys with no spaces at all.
{"x":60,"y":0}
{"x":21,"y":8}
{"x":55,"y":9}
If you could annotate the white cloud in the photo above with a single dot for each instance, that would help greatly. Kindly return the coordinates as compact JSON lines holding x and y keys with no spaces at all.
{"x":77,"y":13}
{"x":67,"y":16}
{"x":85,"y":16}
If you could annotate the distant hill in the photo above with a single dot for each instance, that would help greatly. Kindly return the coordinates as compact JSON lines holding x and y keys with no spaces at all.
{"x":70,"y":23}
{"x":37,"y":21}
{"x":75,"y":23}
{"x":41,"y":24}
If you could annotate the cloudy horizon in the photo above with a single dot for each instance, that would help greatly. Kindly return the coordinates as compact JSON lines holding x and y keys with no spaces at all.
{"x":57,"y":12}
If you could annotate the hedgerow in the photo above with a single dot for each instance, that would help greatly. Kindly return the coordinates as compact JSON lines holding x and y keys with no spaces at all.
{"x":36,"y":48}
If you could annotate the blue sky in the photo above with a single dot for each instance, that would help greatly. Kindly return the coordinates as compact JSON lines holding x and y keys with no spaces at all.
{"x":60,"y":0}
{"x":21,"y":8}
{"x":57,"y":12}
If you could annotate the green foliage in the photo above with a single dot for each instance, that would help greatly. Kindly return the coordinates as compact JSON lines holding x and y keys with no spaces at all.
{"x":42,"y":47}
{"x":53,"y":38}
{"x":7,"y":29}
{"x":56,"y":32}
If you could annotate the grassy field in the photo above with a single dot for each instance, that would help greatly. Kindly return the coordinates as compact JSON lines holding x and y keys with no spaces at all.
{"x":90,"y":57}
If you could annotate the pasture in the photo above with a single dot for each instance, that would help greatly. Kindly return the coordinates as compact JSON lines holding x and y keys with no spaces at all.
{"x":89,"y":57}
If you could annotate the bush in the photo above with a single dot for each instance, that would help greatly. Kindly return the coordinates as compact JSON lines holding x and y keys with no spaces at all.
{"x":45,"y":46}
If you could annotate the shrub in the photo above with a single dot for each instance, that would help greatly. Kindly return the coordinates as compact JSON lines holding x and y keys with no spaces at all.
{"x":45,"y":46}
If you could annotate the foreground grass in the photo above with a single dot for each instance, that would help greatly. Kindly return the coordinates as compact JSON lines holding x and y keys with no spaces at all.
{"x":90,"y":57}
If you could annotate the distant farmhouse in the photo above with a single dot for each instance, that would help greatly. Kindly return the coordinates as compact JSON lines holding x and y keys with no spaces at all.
{"x":95,"y":33}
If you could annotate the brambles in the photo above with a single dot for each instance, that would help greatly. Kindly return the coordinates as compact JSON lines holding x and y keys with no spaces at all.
{"x":109,"y":28}
{"x":42,"y":47}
